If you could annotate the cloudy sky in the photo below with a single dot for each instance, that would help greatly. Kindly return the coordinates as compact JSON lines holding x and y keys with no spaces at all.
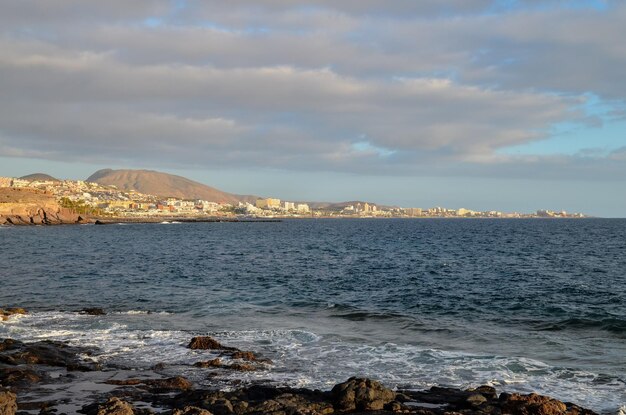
{"x":483,"y":104}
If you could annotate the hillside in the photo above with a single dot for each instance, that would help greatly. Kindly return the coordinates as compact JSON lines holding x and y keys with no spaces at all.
{"x":41,"y":177}
{"x":164,"y":185}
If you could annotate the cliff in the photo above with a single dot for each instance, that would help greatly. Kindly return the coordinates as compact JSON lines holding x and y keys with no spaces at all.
{"x":32,"y":207}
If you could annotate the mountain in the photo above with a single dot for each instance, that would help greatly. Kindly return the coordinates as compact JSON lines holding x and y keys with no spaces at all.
{"x":41,"y":177}
{"x":164,"y":185}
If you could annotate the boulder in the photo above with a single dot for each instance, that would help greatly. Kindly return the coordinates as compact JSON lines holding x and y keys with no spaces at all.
{"x":217,"y":362}
{"x":207,"y":343}
{"x":115,"y":406}
{"x":177,"y":383}
{"x":532,"y":404}
{"x":46,"y":352}
{"x":361,"y":394}
{"x":8,"y":402}
{"x":94,"y":311}
{"x":18,"y":376}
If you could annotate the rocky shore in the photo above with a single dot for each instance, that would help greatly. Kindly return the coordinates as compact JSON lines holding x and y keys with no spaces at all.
{"x":30,"y":370}
{"x":32,"y":207}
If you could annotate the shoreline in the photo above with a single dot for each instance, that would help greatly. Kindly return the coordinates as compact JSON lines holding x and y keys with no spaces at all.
{"x":111,"y":220}
{"x":51,"y":377}
{"x":47,"y":377}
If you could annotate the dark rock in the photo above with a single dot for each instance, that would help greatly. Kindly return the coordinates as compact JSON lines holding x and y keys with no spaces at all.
{"x":395,"y":406}
{"x":169,"y":384}
{"x":532,"y":404}
{"x":208,"y":343}
{"x":8,"y":402}
{"x":476,"y":400}
{"x":115,"y":406}
{"x":18,"y":376}
{"x":219,"y":406}
{"x":217,"y":362}
{"x":93,"y":311}
{"x":46,"y":352}
{"x":191,"y":410}
{"x":156,"y":385}
{"x":488,"y":392}
{"x":361,"y":394}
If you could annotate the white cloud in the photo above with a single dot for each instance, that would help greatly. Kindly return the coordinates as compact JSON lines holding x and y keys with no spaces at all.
{"x":432,"y":83}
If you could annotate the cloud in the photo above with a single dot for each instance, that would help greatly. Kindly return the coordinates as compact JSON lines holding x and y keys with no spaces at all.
{"x":402,"y":87}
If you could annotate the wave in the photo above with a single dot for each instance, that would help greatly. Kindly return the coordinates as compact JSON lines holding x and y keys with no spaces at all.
{"x":611,"y":324}
{"x":303,"y":358}
{"x":141,"y":312}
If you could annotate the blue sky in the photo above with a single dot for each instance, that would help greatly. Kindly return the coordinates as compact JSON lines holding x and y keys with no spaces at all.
{"x":513,"y":105}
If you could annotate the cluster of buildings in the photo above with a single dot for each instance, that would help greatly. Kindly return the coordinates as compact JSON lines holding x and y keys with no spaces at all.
{"x":109,"y":200}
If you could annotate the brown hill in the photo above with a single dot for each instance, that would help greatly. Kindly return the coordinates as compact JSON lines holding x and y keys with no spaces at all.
{"x":41,"y":177}
{"x":164,"y":185}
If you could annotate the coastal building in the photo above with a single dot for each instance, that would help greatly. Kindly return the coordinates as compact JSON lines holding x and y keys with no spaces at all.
{"x":289,"y":206}
{"x":303,"y":208}
{"x":465,"y":212}
{"x":413,"y":211}
{"x":268,"y":203}
{"x":20,"y":183}
{"x":5,"y":181}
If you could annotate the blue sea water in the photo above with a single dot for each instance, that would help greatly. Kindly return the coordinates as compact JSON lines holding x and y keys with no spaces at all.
{"x":524,"y":305}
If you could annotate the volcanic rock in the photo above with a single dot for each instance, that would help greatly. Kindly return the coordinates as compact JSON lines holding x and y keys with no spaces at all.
{"x":208,"y":343}
{"x":191,"y":410}
{"x":46,"y":352}
{"x":8,"y":402}
{"x":115,"y":406}
{"x":18,"y":376}
{"x":531,"y":404}
{"x":156,"y":385}
{"x":93,"y":311}
{"x":361,"y":394}
{"x":217,"y":362}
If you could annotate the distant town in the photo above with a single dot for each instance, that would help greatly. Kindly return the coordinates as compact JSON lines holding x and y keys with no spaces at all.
{"x":108,"y":201}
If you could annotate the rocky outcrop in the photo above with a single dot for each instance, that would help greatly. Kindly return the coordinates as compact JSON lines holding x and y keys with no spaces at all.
{"x":532,"y":404}
{"x":113,"y":406}
{"x":191,"y":410}
{"x":32,"y":207}
{"x":209,"y":343}
{"x":93,"y":311}
{"x":8,"y":402}
{"x":361,"y":394}
{"x":50,"y":353}
{"x":177,"y":383}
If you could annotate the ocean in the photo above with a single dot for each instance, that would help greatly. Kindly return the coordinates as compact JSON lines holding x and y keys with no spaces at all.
{"x":522,"y":305}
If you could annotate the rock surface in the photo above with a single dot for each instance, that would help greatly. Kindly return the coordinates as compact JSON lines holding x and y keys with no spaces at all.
{"x":156,"y":385}
{"x":361,"y":394}
{"x":20,"y":206}
{"x":8,"y":402}
{"x":46,"y":352}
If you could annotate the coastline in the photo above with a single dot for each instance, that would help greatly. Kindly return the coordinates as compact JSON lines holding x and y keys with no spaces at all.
{"x":111,"y":220}
{"x":55,"y":377}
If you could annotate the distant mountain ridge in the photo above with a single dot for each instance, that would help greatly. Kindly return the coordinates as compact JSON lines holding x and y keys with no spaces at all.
{"x":164,"y":185}
{"x":41,"y":177}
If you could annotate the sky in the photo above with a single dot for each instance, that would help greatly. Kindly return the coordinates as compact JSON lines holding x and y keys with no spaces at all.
{"x":512,"y":105}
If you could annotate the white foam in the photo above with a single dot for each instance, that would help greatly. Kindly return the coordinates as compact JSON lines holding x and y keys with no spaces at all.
{"x":141,"y":312}
{"x":305,"y":359}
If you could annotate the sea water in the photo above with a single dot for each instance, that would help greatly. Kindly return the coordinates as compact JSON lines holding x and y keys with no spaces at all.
{"x":523,"y":305}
